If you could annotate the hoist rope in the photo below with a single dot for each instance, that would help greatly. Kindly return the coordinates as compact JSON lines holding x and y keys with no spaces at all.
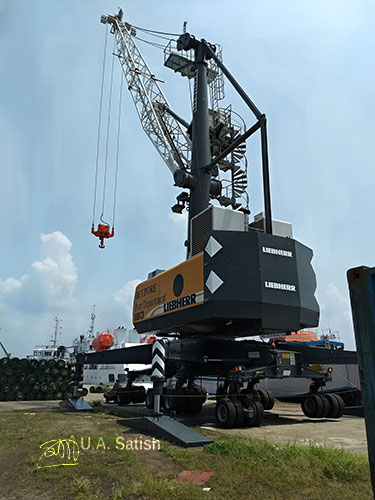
{"x":107,"y":139}
{"x":99,"y":124}
{"x":158,"y":36}
{"x":155,"y":31}
{"x":153,"y":44}
{"x":117,"y":150}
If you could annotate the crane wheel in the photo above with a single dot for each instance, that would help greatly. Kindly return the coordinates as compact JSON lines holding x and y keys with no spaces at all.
{"x":174,"y":400}
{"x":179,"y":402}
{"x":240,"y":413}
{"x":193,"y":406}
{"x":138,"y":394}
{"x":326,"y":405}
{"x":226,"y":413}
{"x":336,"y":406}
{"x":254,"y":413}
{"x":265,"y":398}
{"x":124,"y":398}
{"x":269,"y":400}
{"x":167,"y":400}
{"x":314,"y":406}
{"x":202,"y":391}
{"x":194,"y":400}
{"x":150,"y":399}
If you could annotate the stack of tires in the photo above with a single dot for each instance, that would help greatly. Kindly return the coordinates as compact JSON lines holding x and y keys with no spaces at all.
{"x":98,"y":389}
{"x":30,"y":379}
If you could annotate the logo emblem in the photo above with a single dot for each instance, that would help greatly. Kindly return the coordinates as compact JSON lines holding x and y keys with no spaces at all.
{"x":178,"y":285}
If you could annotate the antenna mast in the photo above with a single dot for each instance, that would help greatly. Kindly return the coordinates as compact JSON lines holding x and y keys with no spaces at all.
{"x":54,"y":339}
{"x":93,"y":316}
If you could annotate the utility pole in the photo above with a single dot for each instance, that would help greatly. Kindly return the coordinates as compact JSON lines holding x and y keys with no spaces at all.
{"x":361,"y":282}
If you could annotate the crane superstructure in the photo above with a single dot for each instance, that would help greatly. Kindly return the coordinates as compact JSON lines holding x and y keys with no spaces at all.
{"x":236,"y":280}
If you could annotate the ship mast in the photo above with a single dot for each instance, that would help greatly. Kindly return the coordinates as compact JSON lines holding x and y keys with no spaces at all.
{"x":54,"y":339}
{"x":93,"y":316}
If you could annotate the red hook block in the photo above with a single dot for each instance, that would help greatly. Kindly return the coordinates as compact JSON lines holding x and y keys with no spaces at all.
{"x":102,"y":232}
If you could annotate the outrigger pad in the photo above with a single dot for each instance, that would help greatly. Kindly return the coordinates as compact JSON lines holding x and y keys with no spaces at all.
{"x":78,"y":404}
{"x":164,"y":427}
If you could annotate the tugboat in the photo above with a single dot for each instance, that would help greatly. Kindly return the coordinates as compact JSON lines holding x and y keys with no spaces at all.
{"x":51,"y":350}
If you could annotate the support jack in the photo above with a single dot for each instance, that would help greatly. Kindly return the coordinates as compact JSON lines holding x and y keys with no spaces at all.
{"x":166,"y":428}
{"x":78,"y":404}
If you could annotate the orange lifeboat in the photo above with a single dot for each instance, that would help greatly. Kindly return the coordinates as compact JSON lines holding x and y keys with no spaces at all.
{"x":300,"y":336}
{"x":148,"y":339}
{"x":102,"y":342}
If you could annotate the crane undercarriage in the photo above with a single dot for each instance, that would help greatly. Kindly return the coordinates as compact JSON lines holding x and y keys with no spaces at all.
{"x":238,"y":367}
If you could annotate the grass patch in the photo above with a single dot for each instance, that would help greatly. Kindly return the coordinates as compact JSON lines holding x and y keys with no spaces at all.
{"x":328,"y":462}
{"x":257,"y":469}
{"x":243,"y":467}
{"x":102,"y":472}
{"x":96,"y":404}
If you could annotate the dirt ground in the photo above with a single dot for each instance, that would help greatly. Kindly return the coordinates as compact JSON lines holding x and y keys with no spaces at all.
{"x":287,"y":424}
{"x":284,"y":424}
{"x":251,"y":469}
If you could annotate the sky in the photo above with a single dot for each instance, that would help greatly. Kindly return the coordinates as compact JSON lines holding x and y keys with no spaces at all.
{"x":308,"y":65}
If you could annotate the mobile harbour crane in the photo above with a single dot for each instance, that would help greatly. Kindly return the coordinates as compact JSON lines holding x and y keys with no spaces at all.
{"x":239,"y":279}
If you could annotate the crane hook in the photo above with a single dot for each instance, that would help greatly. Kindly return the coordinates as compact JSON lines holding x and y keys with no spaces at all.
{"x":102,"y":232}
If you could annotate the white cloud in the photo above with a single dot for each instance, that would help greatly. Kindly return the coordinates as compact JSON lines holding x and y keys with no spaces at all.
{"x":124,"y":297}
{"x":11,"y":284}
{"x":56,"y":275}
{"x":126,"y":292}
{"x":28,"y":304}
{"x":336,"y":313}
{"x":51,"y":280}
{"x":178,"y":219}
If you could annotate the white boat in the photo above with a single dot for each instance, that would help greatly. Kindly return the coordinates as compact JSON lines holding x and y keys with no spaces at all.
{"x":51,"y":350}
{"x":107,"y":374}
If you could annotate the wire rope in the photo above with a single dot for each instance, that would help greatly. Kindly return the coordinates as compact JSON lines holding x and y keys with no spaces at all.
{"x":99,"y":124}
{"x":117,"y":150}
{"x":155,"y":31}
{"x":107,"y":139}
{"x":156,"y":45}
{"x":158,"y":36}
